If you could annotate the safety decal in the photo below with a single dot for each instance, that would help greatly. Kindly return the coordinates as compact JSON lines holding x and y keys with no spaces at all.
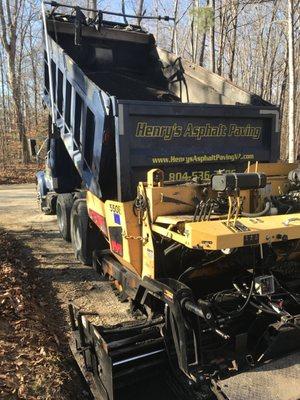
{"x":117,"y":218}
{"x":116,"y":239}
{"x":99,"y":220}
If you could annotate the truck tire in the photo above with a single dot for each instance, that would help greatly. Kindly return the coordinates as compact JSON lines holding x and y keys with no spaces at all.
{"x":64,"y":206}
{"x":46,"y":206}
{"x":86,"y":237}
{"x":50,"y":208}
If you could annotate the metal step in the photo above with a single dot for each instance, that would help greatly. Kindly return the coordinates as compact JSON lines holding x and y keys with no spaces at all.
{"x":276,"y":380}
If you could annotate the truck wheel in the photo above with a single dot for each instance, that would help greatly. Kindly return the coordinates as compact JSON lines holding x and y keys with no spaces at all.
{"x":63,"y":211}
{"x":86,"y":237}
{"x":50,"y":208}
{"x":45,"y":208}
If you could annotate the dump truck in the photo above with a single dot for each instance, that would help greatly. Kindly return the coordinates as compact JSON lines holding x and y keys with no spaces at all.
{"x":165,"y":178}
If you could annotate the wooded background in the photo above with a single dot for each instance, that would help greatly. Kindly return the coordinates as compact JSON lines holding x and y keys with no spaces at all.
{"x":245,"y":41}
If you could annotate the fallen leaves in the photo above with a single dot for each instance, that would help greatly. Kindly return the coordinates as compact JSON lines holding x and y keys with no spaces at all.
{"x":31,"y":361}
{"x":19,"y":173}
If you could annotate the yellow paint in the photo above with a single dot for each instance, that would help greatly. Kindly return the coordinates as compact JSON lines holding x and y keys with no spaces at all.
{"x":94,"y":203}
{"x":216,"y":235}
{"x":131,"y":232}
{"x":170,"y":211}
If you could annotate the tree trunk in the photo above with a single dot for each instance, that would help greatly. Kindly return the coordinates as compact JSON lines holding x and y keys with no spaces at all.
{"x":202,"y":51}
{"x":140,"y":11}
{"x":234,"y":11}
{"x":291,"y":116}
{"x":9,"y":35}
{"x":193,"y":32}
{"x":212,"y":39}
{"x":174,"y":46}
{"x":4,"y":111}
{"x":282,"y":102}
{"x":124,"y":12}
{"x":221,"y":38}
{"x":16,"y":95}
{"x":34,"y":69}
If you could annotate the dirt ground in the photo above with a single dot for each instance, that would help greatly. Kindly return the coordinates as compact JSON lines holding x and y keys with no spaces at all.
{"x":55,"y":263}
{"x":54,"y":277}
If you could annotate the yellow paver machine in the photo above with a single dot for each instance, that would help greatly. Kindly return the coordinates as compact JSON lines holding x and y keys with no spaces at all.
{"x":165,"y":178}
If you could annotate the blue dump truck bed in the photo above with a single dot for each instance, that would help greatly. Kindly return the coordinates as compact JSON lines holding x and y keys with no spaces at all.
{"x":122,"y":107}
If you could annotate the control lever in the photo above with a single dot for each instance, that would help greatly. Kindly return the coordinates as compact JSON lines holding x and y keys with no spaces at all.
{"x":202,"y":310}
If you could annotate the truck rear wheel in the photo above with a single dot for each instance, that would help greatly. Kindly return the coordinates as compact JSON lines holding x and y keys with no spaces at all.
{"x":79,"y":232}
{"x":63,"y":211}
{"x":85,"y":235}
{"x":46,"y":201}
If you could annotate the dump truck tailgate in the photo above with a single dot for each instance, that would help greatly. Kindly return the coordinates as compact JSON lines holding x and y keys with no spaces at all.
{"x":190,"y":140}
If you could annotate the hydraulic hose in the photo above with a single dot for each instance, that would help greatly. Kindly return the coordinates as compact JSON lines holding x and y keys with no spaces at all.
{"x":173,"y":247}
{"x":259,"y":214}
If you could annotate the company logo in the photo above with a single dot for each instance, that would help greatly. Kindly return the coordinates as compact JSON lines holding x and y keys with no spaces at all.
{"x":170,"y":132}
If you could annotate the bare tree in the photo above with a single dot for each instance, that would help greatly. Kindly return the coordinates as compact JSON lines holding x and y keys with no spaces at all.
{"x":234,"y":12}
{"x":9,"y":22}
{"x":140,"y":11}
{"x":124,"y":11}
{"x":3,"y":130}
{"x":212,"y":4}
{"x":291,"y":69}
{"x":174,"y":44}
